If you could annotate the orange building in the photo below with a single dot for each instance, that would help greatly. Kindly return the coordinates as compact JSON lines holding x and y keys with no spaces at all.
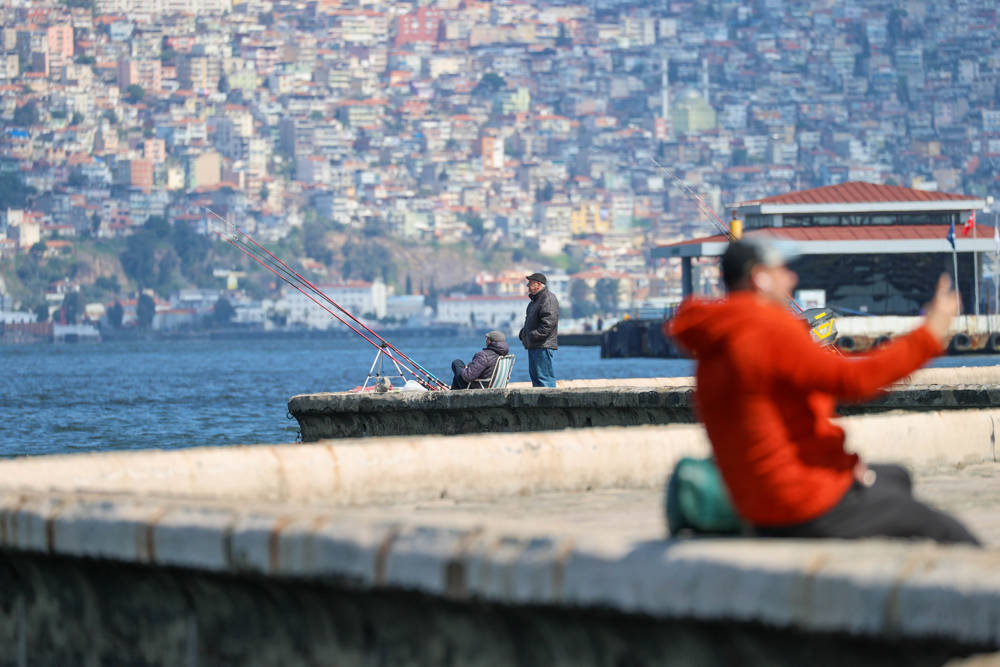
{"x":141,"y":174}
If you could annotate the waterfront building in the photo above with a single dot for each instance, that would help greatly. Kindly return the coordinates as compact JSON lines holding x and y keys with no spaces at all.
{"x":362,"y":299}
{"x":874,"y":249}
{"x":493,"y":311}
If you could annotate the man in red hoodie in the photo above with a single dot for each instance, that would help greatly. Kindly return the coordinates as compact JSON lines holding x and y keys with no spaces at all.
{"x":766,"y":393}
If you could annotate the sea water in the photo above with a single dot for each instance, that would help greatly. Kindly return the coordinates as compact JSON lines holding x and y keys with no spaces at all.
{"x":189,"y":393}
{"x":57,"y":398}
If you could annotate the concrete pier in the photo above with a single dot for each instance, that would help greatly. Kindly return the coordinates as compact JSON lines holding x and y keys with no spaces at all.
{"x":589,"y":404}
{"x":542,"y":548}
{"x":970,"y":334}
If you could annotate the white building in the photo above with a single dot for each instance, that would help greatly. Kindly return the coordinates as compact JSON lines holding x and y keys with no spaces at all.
{"x":493,"y":311}
{"x":16,"y":317}
{"x":361,"y":299}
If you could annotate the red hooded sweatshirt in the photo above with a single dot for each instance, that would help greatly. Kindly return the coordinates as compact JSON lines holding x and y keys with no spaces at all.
{"x":766,"y":393}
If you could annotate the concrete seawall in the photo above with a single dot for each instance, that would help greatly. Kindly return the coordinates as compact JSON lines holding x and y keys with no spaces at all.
{"x":518,"y":409}
{"x":368,"y":471}
{"x":263,"y":554}
{"x":432,"y":550}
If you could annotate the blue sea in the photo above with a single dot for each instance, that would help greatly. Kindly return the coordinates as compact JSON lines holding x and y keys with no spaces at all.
{"x":189,"y":393}
{"x":57,"y":398}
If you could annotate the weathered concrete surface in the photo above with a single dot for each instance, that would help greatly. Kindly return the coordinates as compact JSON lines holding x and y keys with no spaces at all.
{"x":263,"y":583}
{"x":946,"y":376}
{"x":529,"y":548}
{"x":347,"y":414}
{"x":131,"y":615}
{"x":480,"y":466}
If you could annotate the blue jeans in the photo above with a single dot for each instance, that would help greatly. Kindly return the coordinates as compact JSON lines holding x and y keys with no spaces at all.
{"x":540,"y":368}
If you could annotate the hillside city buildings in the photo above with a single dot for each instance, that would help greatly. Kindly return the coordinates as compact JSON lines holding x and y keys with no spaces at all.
{"x":594,"y":129}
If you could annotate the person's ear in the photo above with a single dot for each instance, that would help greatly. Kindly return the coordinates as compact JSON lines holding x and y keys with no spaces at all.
{"x":762,"y":281}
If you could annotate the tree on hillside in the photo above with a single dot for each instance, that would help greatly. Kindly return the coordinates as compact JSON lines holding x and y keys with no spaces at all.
{"x":223,"y":311}
{"x":158,"y":225}
{"x":139,"y":258}
{"x":579,"y":296}
{"x":545,"y":193}
{"x":72,"y":307}
{"x":115,"y":314}
{"x":134,"y":93}
{"x":13,"y":192}
{"x":26,"y":115}
{"x":42,"y":312}
{"x":192,"y":248}
{"x":489,"y":84}
{"x":606,"y":292}
{"x":145,"y":310}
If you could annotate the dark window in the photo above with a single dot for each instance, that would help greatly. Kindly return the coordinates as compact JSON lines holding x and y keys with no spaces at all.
{"x":883,"y":284}
{"x":855,"y":219}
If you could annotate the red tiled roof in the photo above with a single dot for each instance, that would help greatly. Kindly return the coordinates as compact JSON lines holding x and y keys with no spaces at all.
{"x":857,"y":192}
{"x":852,"y":233}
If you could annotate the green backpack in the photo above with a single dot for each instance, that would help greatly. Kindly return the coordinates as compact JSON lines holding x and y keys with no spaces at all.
{"x":697,"y":500}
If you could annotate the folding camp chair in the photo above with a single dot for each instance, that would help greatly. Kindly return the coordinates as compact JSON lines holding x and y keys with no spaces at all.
{"x":500,"y":376}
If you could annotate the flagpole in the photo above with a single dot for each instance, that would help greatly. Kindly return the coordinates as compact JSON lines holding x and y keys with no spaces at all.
{"x":954,"y":259}
{"x":975,"y":268}
{"x":996,"y":265}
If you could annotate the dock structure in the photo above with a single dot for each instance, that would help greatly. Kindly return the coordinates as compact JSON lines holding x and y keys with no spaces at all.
{"x":654,"y":401}
{"x":531,"y":548}
{"x":969,"y":335}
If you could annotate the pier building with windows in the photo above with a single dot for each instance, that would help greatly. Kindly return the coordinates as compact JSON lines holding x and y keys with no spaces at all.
{"x":875,"y":249}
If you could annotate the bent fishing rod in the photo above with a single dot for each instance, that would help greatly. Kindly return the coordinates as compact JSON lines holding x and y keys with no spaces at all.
{"x":812,"y":320}
{"x":704,"y":209}
{"x":246,"y":244}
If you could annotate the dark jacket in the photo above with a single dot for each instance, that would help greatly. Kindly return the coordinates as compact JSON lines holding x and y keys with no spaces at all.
{"x":482,"y":364}
{"x":541,"y":322}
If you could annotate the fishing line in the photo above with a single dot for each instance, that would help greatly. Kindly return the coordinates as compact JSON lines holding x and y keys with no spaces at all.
{"x":250,"y":247}
{"x":704,"y":208}
{"x":279,"y":267}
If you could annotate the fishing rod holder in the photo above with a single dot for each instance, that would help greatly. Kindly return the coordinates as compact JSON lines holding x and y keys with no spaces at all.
{"x":377,"y":376}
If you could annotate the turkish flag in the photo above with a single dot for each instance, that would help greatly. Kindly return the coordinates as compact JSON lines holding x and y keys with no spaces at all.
{"x":969,"y":224}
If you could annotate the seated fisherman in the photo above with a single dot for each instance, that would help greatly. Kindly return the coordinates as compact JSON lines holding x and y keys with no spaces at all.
{"x":766,"y":394}
{"x":482,"y":364}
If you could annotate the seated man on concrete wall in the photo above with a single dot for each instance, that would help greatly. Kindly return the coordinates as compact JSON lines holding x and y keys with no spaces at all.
{"x":766,"y":393}
{"x":482,"y":364}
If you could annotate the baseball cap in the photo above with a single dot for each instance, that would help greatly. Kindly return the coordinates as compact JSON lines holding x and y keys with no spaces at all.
{"x":744,"y":254}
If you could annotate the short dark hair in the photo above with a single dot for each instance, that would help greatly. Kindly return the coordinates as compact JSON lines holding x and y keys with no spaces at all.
{"x":737,"y":263}
{"x":744,"y":254}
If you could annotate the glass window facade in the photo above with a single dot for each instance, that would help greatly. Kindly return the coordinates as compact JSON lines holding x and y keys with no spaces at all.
{"x":827,"y":220}
{"x":883,"y":284}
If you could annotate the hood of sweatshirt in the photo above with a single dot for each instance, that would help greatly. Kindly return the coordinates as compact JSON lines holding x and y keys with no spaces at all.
{"x":702,"y":326}
{"x":499,"y":347}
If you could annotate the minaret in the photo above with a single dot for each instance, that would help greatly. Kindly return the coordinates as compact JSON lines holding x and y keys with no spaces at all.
{"x":668,"y":122}
{"x":704,"y":80}
{"x":665,"y":87}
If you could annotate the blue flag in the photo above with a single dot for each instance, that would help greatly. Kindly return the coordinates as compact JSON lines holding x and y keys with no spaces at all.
{"x":951,"y":235}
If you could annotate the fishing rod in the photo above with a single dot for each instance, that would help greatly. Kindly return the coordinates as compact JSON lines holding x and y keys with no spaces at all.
{"x":704,"y":208}
{"x":820,"y":323}
{"x":246,"y":244}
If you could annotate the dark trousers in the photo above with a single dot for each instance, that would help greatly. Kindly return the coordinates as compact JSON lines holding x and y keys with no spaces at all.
{"x":457,"y":382}
{"x":886,"y":508}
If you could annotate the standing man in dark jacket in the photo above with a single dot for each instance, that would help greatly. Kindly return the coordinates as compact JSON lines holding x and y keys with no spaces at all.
{"x":482,"y":364}
{"x":540,"y":331}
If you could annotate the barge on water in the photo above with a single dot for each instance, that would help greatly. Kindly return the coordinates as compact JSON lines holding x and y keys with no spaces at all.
{"x":971,"y":334}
